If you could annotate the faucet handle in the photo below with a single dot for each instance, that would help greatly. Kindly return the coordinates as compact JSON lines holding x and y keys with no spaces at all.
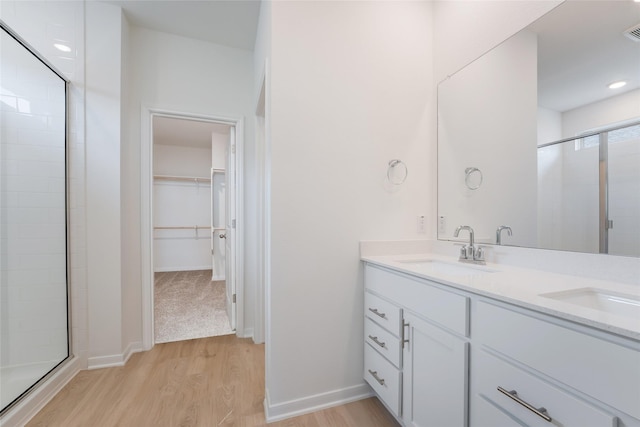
{"x":479,"y":254}
{"x":463,"y":252}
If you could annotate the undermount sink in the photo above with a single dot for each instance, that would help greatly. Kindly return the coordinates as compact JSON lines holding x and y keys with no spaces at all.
{"x":601,"y":300}
{"x":439,"y":267}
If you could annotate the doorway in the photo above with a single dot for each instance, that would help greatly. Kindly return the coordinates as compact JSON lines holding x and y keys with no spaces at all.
{"x":192,"y":228}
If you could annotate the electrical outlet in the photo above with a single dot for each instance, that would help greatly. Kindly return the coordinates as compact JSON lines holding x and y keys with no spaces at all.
{"x":422,"y":228}
{"x":442,"y":225}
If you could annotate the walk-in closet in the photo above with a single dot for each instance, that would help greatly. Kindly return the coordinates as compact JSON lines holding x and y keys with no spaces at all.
{"x":190,"y":245}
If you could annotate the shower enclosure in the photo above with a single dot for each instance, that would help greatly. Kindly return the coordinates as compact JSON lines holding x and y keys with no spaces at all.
{"x":34,"y":321}
{"x":589,"y":191}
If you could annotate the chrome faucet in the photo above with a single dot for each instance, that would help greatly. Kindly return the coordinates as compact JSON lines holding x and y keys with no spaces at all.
{"x":470,"y":253}
{"x":499,"y":233}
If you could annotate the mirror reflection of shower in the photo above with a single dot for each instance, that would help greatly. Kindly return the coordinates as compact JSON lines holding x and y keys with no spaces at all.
{"x":598,"y":173}
{"x":34,"y":325}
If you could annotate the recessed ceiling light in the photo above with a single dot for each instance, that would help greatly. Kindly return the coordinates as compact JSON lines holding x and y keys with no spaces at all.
{"x":617,"y":85}
{"x":62,"y":47}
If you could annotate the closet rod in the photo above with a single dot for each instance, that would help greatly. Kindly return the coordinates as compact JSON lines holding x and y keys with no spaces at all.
{"x":181,"y":178}
{"x":193,"y":227}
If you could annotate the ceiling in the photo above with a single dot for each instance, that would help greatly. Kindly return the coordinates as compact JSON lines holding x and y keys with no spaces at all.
{"x":582,"y":49}
{"x":231,"y":23}
{"x":184,"y":132}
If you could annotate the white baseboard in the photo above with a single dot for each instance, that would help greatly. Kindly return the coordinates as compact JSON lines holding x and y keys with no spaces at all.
{"x":246,"y":333}
{"x":114,"y":359}
{"x":134,"y":347}
{"x":217,"y":278}
{"x":190,"y":268}
{"x":32,"y":403}
{"x":306,"y":405}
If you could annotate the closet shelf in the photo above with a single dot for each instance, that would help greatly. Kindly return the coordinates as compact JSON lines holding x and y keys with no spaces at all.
{"x":195,"y":179}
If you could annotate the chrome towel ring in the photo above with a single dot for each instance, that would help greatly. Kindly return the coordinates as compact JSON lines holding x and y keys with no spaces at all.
{"x":397,"y":172}
{"x":472,"y":178}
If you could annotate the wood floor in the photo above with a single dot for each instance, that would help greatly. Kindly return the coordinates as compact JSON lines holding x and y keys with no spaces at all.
{"x":217,"y":381}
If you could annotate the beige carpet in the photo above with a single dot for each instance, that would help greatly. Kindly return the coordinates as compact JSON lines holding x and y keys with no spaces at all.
{"x":187,"y":305}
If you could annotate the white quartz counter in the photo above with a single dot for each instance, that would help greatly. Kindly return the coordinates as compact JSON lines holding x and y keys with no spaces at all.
{"x":522,"y":287}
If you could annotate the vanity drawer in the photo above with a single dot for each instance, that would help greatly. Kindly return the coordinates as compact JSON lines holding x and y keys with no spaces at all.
{"x":448,"y":309}
{"x":564,"y":409}
{"x":383,"y":341}
{"x":604,"y":370}
{"x":383,"y":377}
{"x":384,"y":313}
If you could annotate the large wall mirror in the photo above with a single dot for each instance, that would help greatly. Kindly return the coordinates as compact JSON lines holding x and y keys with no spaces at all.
{"x":531,"y":136}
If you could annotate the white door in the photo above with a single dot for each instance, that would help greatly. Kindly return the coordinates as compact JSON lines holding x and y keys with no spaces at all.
{"x":230,"y":232}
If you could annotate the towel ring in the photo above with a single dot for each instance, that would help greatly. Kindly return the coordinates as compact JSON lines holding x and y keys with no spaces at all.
{"x":399,"y":175}
{"x":473,"y":178}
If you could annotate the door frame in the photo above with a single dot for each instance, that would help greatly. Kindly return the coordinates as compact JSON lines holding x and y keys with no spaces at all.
{"x":146,"y":212}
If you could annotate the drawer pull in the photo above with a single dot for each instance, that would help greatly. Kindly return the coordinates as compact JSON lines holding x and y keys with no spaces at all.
{"x":541,"y":412}
{"x":375,"y":375}
{"x":375,"y":340}
{"x":377,"y":313}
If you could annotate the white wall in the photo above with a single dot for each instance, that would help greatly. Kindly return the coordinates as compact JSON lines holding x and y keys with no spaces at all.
{"x":464,"y":30}
{"x":182,"y":204}
{"x":350,"y":91}
{"x":603,"y":113}
{"x":103,"y":118}
{"x":487,"y":120}
{"x":191,"y":76}
{"x":258,"y":183}
{"x":131,"y":319}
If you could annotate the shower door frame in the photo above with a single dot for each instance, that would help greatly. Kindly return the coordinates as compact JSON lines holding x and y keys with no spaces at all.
{"x":605,"y":224}
{"x":56,"y":371}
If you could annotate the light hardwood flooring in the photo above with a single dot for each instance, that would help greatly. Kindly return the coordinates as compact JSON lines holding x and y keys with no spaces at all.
{"x":217,"y":381}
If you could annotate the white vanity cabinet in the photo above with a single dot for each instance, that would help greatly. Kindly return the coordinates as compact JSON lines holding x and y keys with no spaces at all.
{"x":382,"y":349}
{"x":429,"y":325}
{"x":448,"y":357}
{"x":435,"y":376}
{"x":580,"y":377}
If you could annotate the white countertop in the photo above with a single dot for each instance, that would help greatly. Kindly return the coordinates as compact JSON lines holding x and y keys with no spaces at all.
{"x":523,"y":287}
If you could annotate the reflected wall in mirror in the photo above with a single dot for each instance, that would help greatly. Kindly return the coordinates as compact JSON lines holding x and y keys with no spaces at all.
{"x":559,"y":150}
{"x":34,"y":336}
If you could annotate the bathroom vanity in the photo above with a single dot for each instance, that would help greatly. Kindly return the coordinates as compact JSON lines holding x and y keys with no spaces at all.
{"x":448,"y":344}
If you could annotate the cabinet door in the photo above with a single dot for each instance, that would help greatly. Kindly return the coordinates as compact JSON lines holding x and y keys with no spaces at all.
{"x":434,"y":376}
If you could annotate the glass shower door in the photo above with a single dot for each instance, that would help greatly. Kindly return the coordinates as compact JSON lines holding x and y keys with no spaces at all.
{"x":34,"y":337}
{"x":623,"y":184}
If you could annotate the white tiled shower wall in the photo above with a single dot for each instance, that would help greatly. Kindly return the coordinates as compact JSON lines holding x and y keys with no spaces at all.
{"x":33,"y":320}
{"x":41,"y":24}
